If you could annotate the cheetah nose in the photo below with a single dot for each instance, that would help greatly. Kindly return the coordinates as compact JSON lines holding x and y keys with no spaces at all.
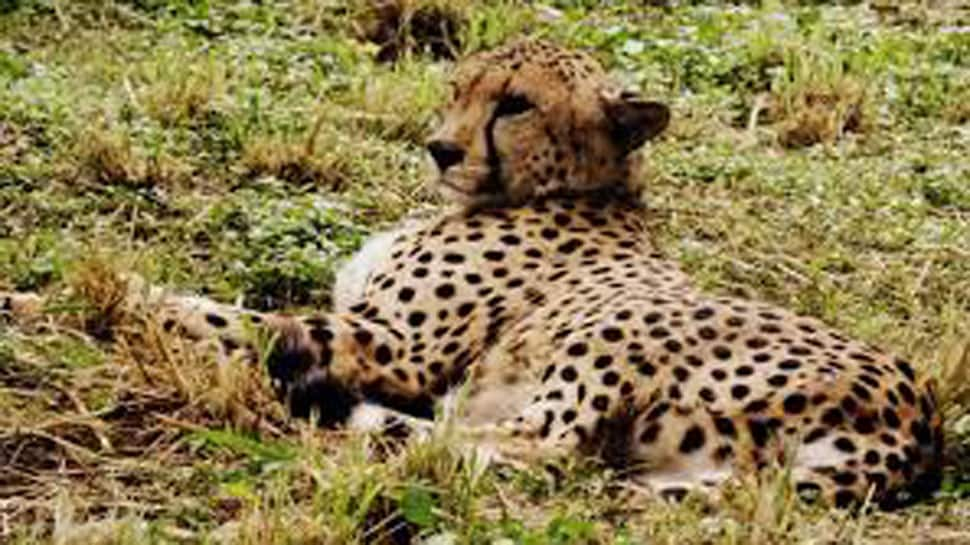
{"x":445,"y":154}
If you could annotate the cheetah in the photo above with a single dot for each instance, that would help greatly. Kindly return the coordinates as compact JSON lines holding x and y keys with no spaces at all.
{"x":543,"y":299}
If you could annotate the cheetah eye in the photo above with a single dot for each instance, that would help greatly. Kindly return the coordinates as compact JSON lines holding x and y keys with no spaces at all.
{"x":513,"y":104}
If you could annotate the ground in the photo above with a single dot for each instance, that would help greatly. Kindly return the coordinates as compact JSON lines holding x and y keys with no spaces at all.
{"x":817,"y":159}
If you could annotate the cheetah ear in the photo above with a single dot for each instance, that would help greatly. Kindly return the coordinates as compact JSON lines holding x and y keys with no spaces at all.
{"x":634,"y":120}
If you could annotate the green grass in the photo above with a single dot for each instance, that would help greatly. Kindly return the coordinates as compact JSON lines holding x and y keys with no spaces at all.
{"x":817,"y":159}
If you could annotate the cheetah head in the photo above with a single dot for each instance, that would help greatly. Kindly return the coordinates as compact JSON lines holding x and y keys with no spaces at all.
{"x":530,"y":119}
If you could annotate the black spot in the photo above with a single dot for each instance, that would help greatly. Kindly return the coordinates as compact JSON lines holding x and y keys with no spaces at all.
{"x":673,"y":345}
{"x":861,"y":391}
{"x":362,"y":336}
{"x":725,"y":426}
{"x":612,"y":334}
{"x":547,"y":424}
{"x":833,"y":417}
{"x":795,"y":403}
{"x":707,"y":395}
{"x":756,"y":406}
{"x":864,"y":425}
{"x":707,"y":333}
{"x":777,"y":380}
{"x":703,"y":313}
{"x":757,"y":343}
{"x":568,"y":373}
{"x":845,"y":444}
{"x":228,"y":344}
{"x":445,"y":291}
{"x":650,"y":434}
{"x":659,"y":410}
{"x":465,"y":309}
{"x":659,"y":333}
{"x":416,"y":318}
{"x":789,"y":365}
{"x":722,"y":352}
{"x":693,"y":439}
{"x":858,"y":356}
{"x":894,"y":463}
{"x":569,"y":246}
{"x":849,"y":405}
{"x":681,"y":374}
{"x":906,"y":369}
{"x":740,"y":391}
{"x":652,"y":318}
{"x":872,"y":458}
{"x":215,"y":320}
{"x":494,"y":255}
{"x":383,"y":354}
{"x":845,"y":499}
{"x":611,"y":378}
{"x":759,"y":432}
{"x":815,"y":435}
{"x":568,"y":416}
{"x":454,"y":258}
{"x":906,"y":393}
{"x":510,"y":240}
{"x":405,"y":295}
{"x":694,"y":361}
{"x":577,"y":349}
{"x":603,"y":361}
{"x":420,"y":272}
{"x":723,"y":452}
{"x":601,"y":402}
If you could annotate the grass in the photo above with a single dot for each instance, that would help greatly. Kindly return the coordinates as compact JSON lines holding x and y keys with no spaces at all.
{"x":237,"y":149}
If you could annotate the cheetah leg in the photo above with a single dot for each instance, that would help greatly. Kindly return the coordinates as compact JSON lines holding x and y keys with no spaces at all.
{"x":328,"y":363}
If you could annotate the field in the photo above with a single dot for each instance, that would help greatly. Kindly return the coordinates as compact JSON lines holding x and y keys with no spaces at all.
{"x":817,"y":159}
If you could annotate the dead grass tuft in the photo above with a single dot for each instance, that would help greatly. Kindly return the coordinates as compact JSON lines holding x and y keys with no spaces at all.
{"x":401,"y":27}
{"x":185,"y":95}
{"x":99,"y":285}
{"x":109,"y":157}
{"x":294,"y":161}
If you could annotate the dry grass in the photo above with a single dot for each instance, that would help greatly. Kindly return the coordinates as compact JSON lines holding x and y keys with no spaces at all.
{"x":109,"y":157}
{"x":295,"y":161}
{"x":183,"y":91}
